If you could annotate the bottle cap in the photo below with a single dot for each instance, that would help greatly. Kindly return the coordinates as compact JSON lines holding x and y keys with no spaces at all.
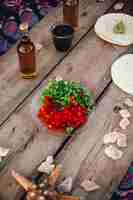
{"x":24,"y":27}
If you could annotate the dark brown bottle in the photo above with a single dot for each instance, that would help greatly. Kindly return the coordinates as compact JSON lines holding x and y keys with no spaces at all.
{"x":26,"y":54}
{"x":71,"y":13}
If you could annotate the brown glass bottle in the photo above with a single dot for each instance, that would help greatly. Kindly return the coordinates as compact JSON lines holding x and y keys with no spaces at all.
{"x":26,"y":54}
{"x":71,"y":13}
{"x":34,"y":196}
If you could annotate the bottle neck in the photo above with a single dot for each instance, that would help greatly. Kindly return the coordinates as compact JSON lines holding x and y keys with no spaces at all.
{"x":71,"y":3}
{"x":25,"y":37}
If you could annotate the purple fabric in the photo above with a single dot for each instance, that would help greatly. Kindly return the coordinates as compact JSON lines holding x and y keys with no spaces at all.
{"x":14,"y":12}
{"x":125,"y":189}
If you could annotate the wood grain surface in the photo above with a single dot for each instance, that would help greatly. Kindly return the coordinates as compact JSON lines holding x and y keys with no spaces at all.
{"x":13,"y":89}
{"x":29,"y":143}
{"x":83,"y":157}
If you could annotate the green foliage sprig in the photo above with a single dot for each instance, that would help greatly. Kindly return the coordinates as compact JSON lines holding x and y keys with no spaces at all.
{"x":60,"y":91}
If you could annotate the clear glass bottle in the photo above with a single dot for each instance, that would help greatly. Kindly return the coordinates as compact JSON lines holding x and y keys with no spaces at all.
{"x":71,"y":13}
{"x":26,"y":54}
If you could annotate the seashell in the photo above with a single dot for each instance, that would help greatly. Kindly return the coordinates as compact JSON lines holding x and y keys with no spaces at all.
{"x":125,"y":113}
{"x":66,"y":185}
{"x":110,"y":138}
{"x":122,"y":140}
{"x":128,"y":102}
{"x":89,"y":185}
{"x":113,"y":152}
{"x":38,"y":46}
{"x":119,"y":6}
{"x":124,"y":123}
{"x":46,"y":168}
{"x":49,"y":160}
{"x":3,"y":152}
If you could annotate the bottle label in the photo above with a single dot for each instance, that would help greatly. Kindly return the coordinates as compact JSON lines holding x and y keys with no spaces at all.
{"x":71,"y":2}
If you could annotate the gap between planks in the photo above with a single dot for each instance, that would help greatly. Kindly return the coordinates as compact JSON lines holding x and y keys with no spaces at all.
{"x":18,"y":91}
{"x":108,"y":45}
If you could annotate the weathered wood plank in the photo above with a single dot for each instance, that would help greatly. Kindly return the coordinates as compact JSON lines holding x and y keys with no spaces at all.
{"x":28,"y":144}
{"x":19,"y":133}
{"x":90,"y":160}
{"x":13,"y":89}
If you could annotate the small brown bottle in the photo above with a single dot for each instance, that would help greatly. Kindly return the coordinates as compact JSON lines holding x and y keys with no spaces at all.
{"x":71,"y":13}
{"x":34,"y":196}
{"x":26,"y":54}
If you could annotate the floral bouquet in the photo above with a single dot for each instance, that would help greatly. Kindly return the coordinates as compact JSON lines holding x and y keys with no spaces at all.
{"x":63,"y":105}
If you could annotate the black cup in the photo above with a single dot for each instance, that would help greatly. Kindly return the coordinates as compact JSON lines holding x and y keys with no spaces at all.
{"x":62,"y":36}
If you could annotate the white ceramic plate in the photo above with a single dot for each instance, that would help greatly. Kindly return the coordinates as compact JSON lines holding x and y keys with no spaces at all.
{"x":122,"y":73}
{"x":105,"y":25}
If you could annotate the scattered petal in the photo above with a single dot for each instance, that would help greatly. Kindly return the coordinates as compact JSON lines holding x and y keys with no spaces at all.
{"x":50,"y":160}
{"x":46,"y":168}
{"x":66,"y":185}
{"x":113,"y":152}
{"x":124,"y":123}
{"x":3,"y":152}
{"x":89,"y":186}
{"x":125,"y":113}
{"x":119,"y":6}
{"x":128,"y":102}
{"x":58,"y":78}
{"x":38,"y":46}
{"x":122,"y":140}
{"x":110,"y":138}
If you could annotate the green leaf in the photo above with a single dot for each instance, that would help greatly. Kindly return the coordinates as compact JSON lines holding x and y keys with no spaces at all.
{"x":2,"y":164}
{"x":61,"y":90}
{"x":119,"y":28}
{"x":69,"y":130}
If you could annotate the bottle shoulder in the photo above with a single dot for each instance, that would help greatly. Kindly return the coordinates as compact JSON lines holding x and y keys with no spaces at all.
{"x":25,"y":47}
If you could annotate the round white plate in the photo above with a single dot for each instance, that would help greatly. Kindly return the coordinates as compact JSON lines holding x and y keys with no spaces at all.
{"x":106,"y":23}
{"x":122,"y":73}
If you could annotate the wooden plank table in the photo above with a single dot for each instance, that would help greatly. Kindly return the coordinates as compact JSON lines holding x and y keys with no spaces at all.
{"x":29,"y":144}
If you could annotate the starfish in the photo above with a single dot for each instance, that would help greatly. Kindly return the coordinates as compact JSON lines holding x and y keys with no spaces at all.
{"x":46,"y":189}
